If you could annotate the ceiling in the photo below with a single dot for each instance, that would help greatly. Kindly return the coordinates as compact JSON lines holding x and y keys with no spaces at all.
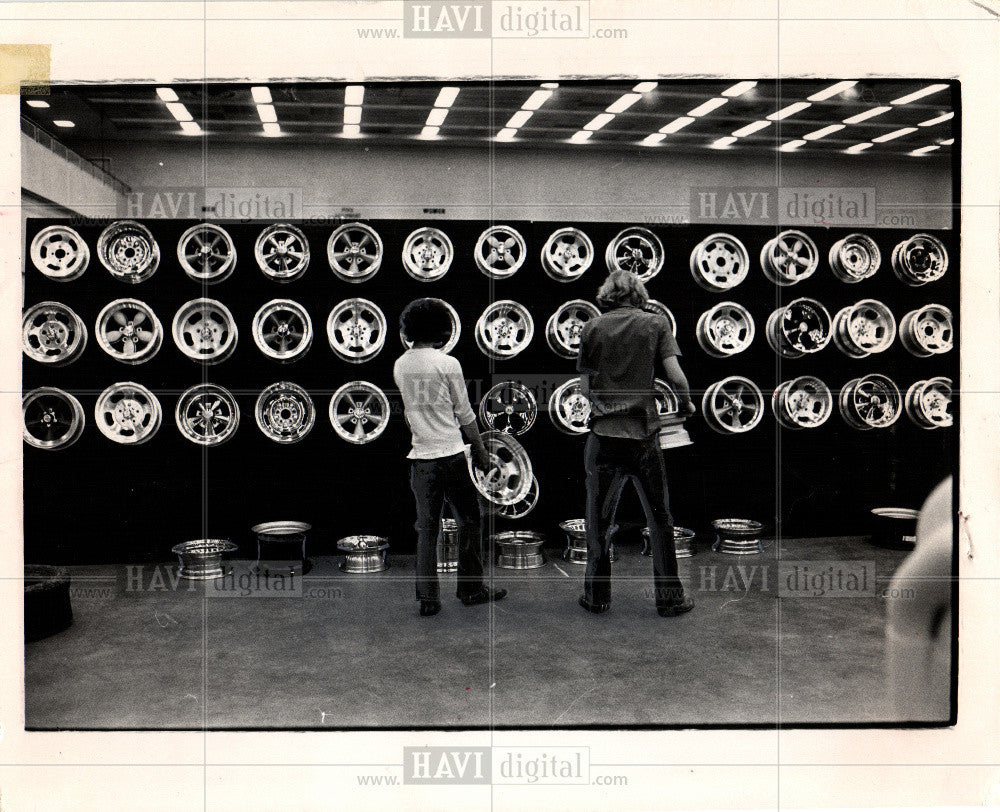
{"x":398,"y":113}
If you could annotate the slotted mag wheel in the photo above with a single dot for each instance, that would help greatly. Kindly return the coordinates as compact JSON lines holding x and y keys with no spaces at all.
{"x":564,"y":327}
{"x":854,"y":258}
{"x":354,"y":251}
{"x":509,"y":478}
{"x":356,"y":330}
{"x":282,"y":330}
{"x":129,"y":252}
{"x":636,"y":250}
{"x":282,"y":252}
{"x":427,"y":254}
{"x":456,"y":329}
{"x":524,"y":506}
{"x":567,"y":254}
{"x":500,"y":252}
{"x":920,"y":259}
{"x":927,"y":331}
{"x":207,"y":414}
{"x":509,"y":407}
{"x":667,"y":402}
{"x":206,"y":253}
{"x":789,"y":258}
{"x":802,"y":403}
{"x":733,"y":405}
{"x":359,"y":412}
{"x":864,"y":328}
{"x":204,"y":330}
{"x":129,"y":331}
{"x":719,"y":262}
{"x":504,"y":330}
{"x":52,"y":418}
{"x":285,"y":413}
{"x":52,"y":334}
{"x":128,"y":413}
{"x":727,"y":329}
{"x":60,"y":253}
{"x":871,"y":402}
{"x":928,"y":403}
{"x":569,"y":408}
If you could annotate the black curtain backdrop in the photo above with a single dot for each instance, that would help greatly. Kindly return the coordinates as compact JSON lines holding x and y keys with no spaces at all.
{"x":98,"y":501}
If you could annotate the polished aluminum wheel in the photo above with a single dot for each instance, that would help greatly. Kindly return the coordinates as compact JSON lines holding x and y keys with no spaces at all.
{"x":456,"y":329}
{"x":802,"y":403}
{"x":727,"y":329}
{"x":282,"y":330}
{"x":927,"y":331}
{"x":285,"y":413}
{"x":637,"y":250}
{"x":359,"y":412}
{"x":524,"y":506}
{"x":920,"y":259}
{"x":653,"y":306}
{"x":719,"y":262}
{"x":129,"y":331}
{"x":733,"y":405}
{"x":356,"y":330}
{"x":864,"y":328}
{"x":500,"y":251}
{"x":737,"y":536}
{"x":567,"y":254}
{"x":206,"y":253}
{"x":129,"y":252}
{"x":427,"y":254}
{"x":789,"y":258}
{"x":60,"y":253}
{"x":282,"y":252}
{"x":509,"y":478}
{"x":871,"y":402}
{"x":519,"y":549}
{"x":354,"y":251}
{"x":52,"y":418}
{"x":801,"y":327}
{"x":667,"y":403}
{"x":51,"y":333}
{"x":504,"y":330}
{"x":565,"y":326}
{"x":207,"y":414}
{"x":128,"y":413}
{"x":509,"y":407}
{"x":569,"y":408}
{"x":204,"y":330}
{"x":854,"y":258}
{"x":928,"y":403}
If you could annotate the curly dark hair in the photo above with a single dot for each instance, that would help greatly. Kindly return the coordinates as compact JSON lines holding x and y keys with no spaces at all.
{"x":425,"y":321}
{"x":622,"y":288}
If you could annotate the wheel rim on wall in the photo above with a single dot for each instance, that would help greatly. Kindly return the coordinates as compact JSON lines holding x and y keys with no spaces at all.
{"x":52,"y":334}
{"x":354,"y":252}
{"x":205,"y":330}
{"x":719,"y":262}
{"x":567,"y":254}
{"x":285,"y":413}
{"x":427,"y":254}
{"x":564,"y":327}
{"x":206,"y":253}
{"x":129,"y":331}
{"x":500,"y":252}
{"x":359,"y":412}
{"x":129,"y":251}
{"x":356,"y":329}
{"x":504,"y":330}
{"x":128,"y":413}
{"x":282,"y":252}
{"x":207,"y":414}
{"x":60,"y":253}
{"x":52,"y":418}
{"x":282,"y":330}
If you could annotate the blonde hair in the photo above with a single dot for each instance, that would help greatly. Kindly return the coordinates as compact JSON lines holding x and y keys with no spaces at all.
{"x":622,"y":288}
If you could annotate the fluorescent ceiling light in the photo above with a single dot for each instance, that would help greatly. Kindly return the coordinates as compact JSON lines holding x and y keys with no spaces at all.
{"x":446,"y":97}
{"x":352,"y":115}
{"x":506,"y":134}
{"x":352,"y":131}
{"x":738,"y":89}
{"x":430,"y":132}
{"x":791,"y":110}
{"x":436,"y":117}
{"x":925,"y":150}
{"x":62,"y":122}
{"x":929,"y":123}
{"x":536,"y":99}
{"x":815,"y":135}
{"x":550,"y":85}
{"x":272,"y":128}
{"x":752,"y":127}
{"x":598,"y":121}
{"x":791,"y":146}
{"x":519,"y":118}
{"x":644,"y":87}
{"x":267,"y":113}
{"x":947,"y":143}
{"x":190,"y":128}
{"x":261,"y":95}
{"x":354,"y":95}
{"x":723,"y":143}
{"x":37,"y":103}
{"x":832,"y":90}
{"x":919,"y":94}
{"x":707,"y":107}
{"x":581,"y":136}
{"x":179,"y":111}
{"x":624,"y":103}
{"x":858,"y":148}
{"x":166,"y":94}
{"x":894,"y":134}
{"x":867,"y":114}
{"x":676,"y":124}
{"x":654,"y":139}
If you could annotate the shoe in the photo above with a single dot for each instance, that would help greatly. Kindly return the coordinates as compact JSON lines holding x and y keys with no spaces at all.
{"x":675,"y":609}
{"x":484,"y":595}
{"x":596,"y":608}
{"x":429,"y":608}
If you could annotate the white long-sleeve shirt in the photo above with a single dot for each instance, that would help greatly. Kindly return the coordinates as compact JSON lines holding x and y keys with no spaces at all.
{"x":435,"y":400}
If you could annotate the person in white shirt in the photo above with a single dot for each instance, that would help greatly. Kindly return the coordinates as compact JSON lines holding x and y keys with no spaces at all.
{"x":437,"y":409}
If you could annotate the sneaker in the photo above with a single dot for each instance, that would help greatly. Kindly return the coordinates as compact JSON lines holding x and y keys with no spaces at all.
{"x":429,"y":608}
{"x":596,"y":608}
{"x":485,"y":595}
{"x":675,"y":609}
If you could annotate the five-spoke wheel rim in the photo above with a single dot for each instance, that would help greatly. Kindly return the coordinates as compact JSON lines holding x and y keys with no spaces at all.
{"x":427,"y":254}
{"x":789,"y":257}
{"x":565,"y":326}
{"x":52,"y":418}
{"x":206,"y":253}
{"x":567,"y":254}
{"x":569,"y":408}
{"x":733,"y":405}
{"x":129,"y":331}
{"x":727,"y":329}
{"x":356,"y":330}
{"x":282,"y":330}
{"x":504,"y":329}
{"x":802,"y":403}
{"x":204,"y":330}
{"x":927,"y":331}
{"x":354,"y":251}
{"x":359,"y":412}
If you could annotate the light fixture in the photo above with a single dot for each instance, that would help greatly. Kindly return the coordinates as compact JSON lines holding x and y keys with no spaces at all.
{"x":351,"y":131}
{"x":644,"y":87}
{"x":436,"y":117}
{"x":267,"y":113}
{"x":723,"y":143}
{"x":166,"y":94}
{"x":676,"y":124}
{"x":519,"y":118}
{"x":738,"y":89}
{"x":858,"y":148}
{"x":598,"y":121}
{"x":791,"y":110}
{"x":581,"y":136}
{"x":179,"y":111}
{"x":62,"y":122}
{"x":352,"y":115}
{"x":624,"y":103}
{"x":929,"y":123}
{"x":550,"y":85}
{"x":707,"y":107}
{"x":446,"y":97}
{"x":791,"y":146}
{"x":867,"y":114}
{"x":919,"y":94}
{"x":925,"y":150}
{"x":506,"y":134}
{"x":190,"y":128}
{"x":823,"y":132}
{"x":947,"y":142}
{"x":261,"y":95}
{"x":752,"y":127}
{"x":430,"y":132}
{"x":832,"y":90}
{"x":653,"y":140}
{"x":272,"y":128}
{"x":37,"y":103}
{"x":536,"y":99}
{"x":354,"y":95}
{"x":894,"y":134}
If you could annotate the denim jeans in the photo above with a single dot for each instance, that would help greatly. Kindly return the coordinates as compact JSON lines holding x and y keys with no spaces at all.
{"x":434,"y":482}
{"x":608,"y":460}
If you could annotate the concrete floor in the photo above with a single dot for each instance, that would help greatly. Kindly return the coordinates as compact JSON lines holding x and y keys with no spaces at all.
{"x":352,"y":652}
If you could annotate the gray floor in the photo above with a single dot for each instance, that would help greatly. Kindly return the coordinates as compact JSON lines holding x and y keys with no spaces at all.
{"x":353,"y":652}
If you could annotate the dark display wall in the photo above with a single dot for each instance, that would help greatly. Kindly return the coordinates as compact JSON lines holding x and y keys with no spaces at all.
{"x":98,"y":501}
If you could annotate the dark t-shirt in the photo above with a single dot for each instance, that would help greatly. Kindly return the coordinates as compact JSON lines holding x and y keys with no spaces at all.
{"x":621,"y":350}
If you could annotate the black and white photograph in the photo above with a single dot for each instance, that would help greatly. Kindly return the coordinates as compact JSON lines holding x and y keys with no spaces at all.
{"x":466,"y":421}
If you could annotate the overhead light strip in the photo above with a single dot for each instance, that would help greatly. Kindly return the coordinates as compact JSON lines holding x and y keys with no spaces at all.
{"x":531,"y":104}
{"x":354,"y":97}
{"x":919,"y":94}
{"x":177,"y":109}
{"x":931,"y":121}
{"x":724,"y":143}
{"x":823,"y":132}
{"x":867,"y":114}
{"x":738,"y":89}
{"x":832,"y":90}
{"x":707,"y":107}
{"x":859,"y":148}
{"x":751,"y":128}
{"x":925,"y":150}
{"x":791,"y":146}
{"x":881,"y":139}
{"x":790,"y":110}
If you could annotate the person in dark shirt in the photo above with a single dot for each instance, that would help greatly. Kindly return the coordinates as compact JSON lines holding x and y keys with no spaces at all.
{"x":620,"y":351}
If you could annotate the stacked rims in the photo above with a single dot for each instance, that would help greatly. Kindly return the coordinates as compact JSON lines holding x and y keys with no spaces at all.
{"x":500,"y":252}
{"x":52,"y":333}
{"x":509,"y":407}
{"x":719,"y":262}
{"x":789,"y":258}
{"x":285,"y":413}
{"x":569,"y":408}
{"x":636,"y":250}
{"x":128,"y":413}
{"x":206,"y":253}
{"x":427,"y":254}
{"x":504,"y":330}
{"x":510,"y":475}
{"x":737,"y":536}
{"x":919,"y":260}
{"x":928,"y":403}
{"x":567,"y":254}
{"x":864,"y":328}
{"x":129,"y":331}
{"x":205,"y":330}
{"x":447,"y":546}
{"x":356,"y":330}
{"x":576,"y":540}
{"x":282,"y":252}
{"x":354,"y":252}
{"x":201,"y":559}
{"x":60,"y":253}
{"x":854,"y":258}
{"x":52,"y":418}
{"x":453,"y":336}
{"x":359,"y":412}
{"x":282,"y":330}
{"x":207,"y":414}
{"x":733,"y":405}
{"x":519,"y":549}
{"x":802,"y":403}
{"x":726,"y":329}
{"x":564,"y":327}
{"x":801,"y":327}
{"x":871,"y":402}
{"x":129,"y":252}
{"x":927,"y":331}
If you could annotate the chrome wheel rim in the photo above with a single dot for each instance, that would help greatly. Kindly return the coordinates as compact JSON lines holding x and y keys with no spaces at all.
{"x":565,"y":326}
{"x":854,"y":258}
{"x":456,"y":329}
{"x":636,"y":250}
{"x":359,"y":412}
{"x":206,"y":253}
{"x":523,"y":507}
{"x":51,"y":333}
{"x":60,"y":253}
{"x":727,"y":329}
{"x":128,"y":413}
{"x":569,"y":408}
{"x":427,"y":254}
{"x":207,"y":414}
{"x":802,"y":403}
{"x":500,"y":252}
{"x":282,"y":252}
{"x":928,"y":403}
{"x":789,"y":258}
{"x":129,"y":331}
{"x":285,"y":413}
{"x":204,"y":330}
{"x":927,"y":331}
{"x":733,"y":405}
{"x":509,"y":407}
{"x":719,"y":262}
{"x":567,"y":254}
{"x":129,"y":251}
{"x":356,"y":330}
{"x":510,"y":474}
{"x":504,"y":329}
{"x":865,"y":328}
{"x":354,"y":251}
{"x":51,"y":418}
{"x":920,"y":259}
{"x":282,"y":330}
{"x":871,"y":402}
